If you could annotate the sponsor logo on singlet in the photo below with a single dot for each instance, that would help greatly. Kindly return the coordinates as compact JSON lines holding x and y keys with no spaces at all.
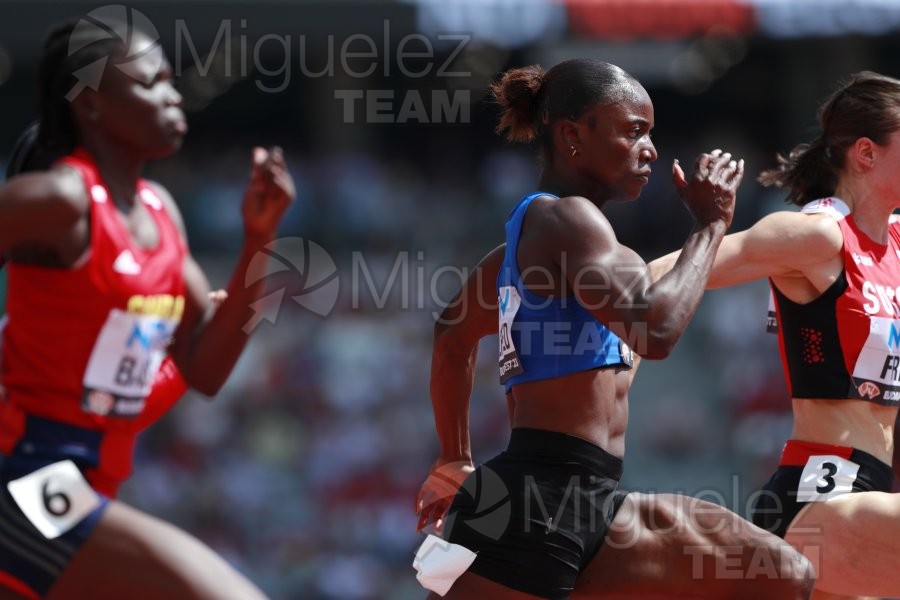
{"x":125,"y":264}
{"x":880,"y":298}
{"x":863,"y":260}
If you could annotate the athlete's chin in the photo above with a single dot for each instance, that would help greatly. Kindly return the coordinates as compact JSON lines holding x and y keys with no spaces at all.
{"x":631,"y":194}
{"x":167,"y":149}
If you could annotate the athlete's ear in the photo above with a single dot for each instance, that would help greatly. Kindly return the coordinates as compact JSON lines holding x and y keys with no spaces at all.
{"x":86,"y":107}
{"x":862,"y":155}
{"x":567,"y":135}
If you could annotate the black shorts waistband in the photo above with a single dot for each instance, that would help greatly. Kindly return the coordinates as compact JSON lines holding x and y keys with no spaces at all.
{"x":796,"y":453}
{"x":880,"y":473}
{"x":560,"y":446}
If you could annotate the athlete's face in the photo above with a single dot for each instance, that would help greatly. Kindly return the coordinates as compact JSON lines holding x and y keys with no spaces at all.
{"x":885,"y":175}
{"x":137,"y":105}
{"x":615,"y":150}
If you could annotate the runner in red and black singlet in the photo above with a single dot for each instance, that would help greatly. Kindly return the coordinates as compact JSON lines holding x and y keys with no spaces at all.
{"x":101,"y":286}
{"x":834,"y":270}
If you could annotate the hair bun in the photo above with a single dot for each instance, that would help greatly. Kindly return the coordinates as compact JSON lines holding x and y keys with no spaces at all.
{"x":517,"y":94}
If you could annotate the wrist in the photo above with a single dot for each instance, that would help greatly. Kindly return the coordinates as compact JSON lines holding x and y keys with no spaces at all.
{"x":715,"y":226}
{"x":254,"y":240}
{"x":454,"y":457}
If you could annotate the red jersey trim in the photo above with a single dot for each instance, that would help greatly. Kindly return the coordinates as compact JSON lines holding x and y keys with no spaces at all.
{"x":797,"y":453}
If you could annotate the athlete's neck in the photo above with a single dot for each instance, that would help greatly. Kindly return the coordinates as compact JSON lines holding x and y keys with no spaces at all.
{"x":563,"y":182}
{"x":870,"y":215}
{"x":119,"y":170}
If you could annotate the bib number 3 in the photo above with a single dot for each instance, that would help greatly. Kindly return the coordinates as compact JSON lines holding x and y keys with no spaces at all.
{"x":55,"y":498}
{"x":826,"y":477}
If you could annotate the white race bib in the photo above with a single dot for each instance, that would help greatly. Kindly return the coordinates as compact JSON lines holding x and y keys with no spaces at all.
{"x":55,"y":498}
{"x":509,"y":302}
{"x":877,"y":369}
{"x":826,"y":477}
{"x":124,"y":362}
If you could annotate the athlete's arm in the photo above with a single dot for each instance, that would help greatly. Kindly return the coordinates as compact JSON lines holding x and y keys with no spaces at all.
{"x":782,"y":244}
{"x":613,"y":282}
{"x":208,"y":342}
{"x":470,"y":316}
{"x":168,"y":386}
{"x":41,"y":208}
{"x":896,"y":461}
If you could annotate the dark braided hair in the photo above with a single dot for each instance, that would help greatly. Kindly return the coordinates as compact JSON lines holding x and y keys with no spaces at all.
{"x":532,"y":99}
{"x":57,"y":135}
{"x":25,"y":155}
{"x":868,"y":105}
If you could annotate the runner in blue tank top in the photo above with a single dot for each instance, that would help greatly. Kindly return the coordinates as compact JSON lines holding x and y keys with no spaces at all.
{"x":544,"y":519}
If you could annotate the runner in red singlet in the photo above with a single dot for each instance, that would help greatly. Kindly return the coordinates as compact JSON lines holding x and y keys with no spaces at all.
{"x":168,"y":385}
{"x":834,"y":270}
{"x":101,"y":286}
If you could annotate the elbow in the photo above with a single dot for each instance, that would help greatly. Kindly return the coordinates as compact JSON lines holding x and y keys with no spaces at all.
{"x":448,"y":330}
{"x":208,"y":386}
{"x":658,"y":344}
{"x":656,"y":352}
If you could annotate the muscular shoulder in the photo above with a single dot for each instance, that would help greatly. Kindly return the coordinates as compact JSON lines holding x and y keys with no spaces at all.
{"x":59,"y":191}
{"x":574,"y":219}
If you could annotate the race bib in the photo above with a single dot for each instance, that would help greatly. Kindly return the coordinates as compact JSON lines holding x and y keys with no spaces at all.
{"x":509,"y":303}
{"x":55,"y":498}
{"x":826,"y":477}
{"x":124,"y":362}
{"x":772,"y":318}
{"x":877,"y":369}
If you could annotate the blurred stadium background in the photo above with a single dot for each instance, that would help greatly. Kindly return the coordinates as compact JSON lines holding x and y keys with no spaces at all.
{"x":303,"y":471}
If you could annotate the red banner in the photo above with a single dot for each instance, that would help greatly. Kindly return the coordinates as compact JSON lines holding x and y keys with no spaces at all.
{"x":659,"y":19}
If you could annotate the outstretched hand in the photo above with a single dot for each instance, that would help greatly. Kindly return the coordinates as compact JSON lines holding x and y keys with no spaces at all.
{"x":434,"y":498}
{"x":710,"y":193}
{"x":270,"y":192}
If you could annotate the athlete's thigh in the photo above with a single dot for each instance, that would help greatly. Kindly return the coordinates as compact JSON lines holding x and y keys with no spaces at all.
{"x":853,"y":542}
{"x":471,"y":585}
{"x":8,"y":594}
{"x":672,"y":546}
{"x":133,"y":555}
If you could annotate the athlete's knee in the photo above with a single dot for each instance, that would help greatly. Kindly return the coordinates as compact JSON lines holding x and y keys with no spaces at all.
{"x":743,"y":557}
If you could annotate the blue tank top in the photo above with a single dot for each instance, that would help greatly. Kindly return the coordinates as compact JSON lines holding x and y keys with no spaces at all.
{"x":543,"y":338}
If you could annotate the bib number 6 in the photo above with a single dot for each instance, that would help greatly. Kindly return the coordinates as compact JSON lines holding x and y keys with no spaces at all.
{"x":826,"y":477}
{"x":55,"y":498}
{"x":55,"y":503}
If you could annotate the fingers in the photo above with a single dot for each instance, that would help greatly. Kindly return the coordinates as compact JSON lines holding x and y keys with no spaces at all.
{"x":719,"y":163}
{"x":737,"y":174}
{"x":678,"y":175}
{"x":260,"y":156}
{"x":433,"y":513}
{"x":270,"y":173}
{"x":723,"y":171}
{"x":701,"y":165}
{"x":217,"y":297}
